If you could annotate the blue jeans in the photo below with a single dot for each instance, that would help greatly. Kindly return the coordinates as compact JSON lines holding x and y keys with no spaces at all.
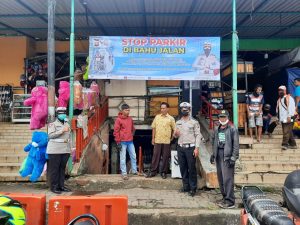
{"x":266,"y":124}
{"x":129,"y":146}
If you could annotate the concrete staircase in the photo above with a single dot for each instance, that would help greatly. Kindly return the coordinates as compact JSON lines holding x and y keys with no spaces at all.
{"x":266,"y":163}
{"x":13,"y":138}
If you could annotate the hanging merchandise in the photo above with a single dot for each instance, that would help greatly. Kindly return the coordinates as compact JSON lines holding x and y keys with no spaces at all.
{"x":6,"y":93}
{"x":39,"y":103}
{"x":78,"y":103}
{"x":35,"y":161}
{"x":85,"y":98}
{"x":96,"y":92}
{"x":87,"y":68}
{"x":64,"y":94}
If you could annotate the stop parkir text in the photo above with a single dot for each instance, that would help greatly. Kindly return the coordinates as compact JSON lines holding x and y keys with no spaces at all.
{"x":142,"y":41}
{"x":154,"y":50}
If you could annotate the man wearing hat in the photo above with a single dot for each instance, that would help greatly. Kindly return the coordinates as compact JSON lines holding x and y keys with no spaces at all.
{"x":188,"y":133}
{"x":207,"y":63}
{"x":286,"y":111}
{"x":58,"y":151}
{"x":225,"y":146}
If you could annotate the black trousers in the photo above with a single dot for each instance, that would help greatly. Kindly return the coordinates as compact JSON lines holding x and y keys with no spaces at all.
{"x":187,"y":164}
{"x":225,"y":175}
{"x":56,"y":170}
{"x":159,"y":150}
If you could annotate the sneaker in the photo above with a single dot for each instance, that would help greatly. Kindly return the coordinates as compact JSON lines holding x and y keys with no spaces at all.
{"x":221,"y":201}
{"x":125,"y":177}
{"x":293,"y":147}
{"x":226,"y":205}
{"x":283,"y":147}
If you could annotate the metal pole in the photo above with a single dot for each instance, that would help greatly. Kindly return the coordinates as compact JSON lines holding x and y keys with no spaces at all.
{"x":72,"y":50}
{"x":234,"y":64}
{"x":51,"y":60}
{"x":191,"y":97}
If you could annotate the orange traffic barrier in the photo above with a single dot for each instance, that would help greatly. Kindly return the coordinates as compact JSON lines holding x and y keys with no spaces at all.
{"x":34,"y":205}
{"x":243,"y":217}
{"x":109,"y":210}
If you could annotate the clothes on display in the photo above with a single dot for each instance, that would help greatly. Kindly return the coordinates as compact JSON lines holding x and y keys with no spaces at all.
{"x":6,"y":93}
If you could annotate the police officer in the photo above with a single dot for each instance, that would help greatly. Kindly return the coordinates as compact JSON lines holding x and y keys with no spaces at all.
{"x":58,"y":151}
{"x":225,"y":145}
{"x":189,"y":137}
{"x":207,"y":63}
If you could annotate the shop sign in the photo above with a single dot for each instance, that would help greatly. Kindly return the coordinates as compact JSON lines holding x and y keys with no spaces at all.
{"x":154,"y":58}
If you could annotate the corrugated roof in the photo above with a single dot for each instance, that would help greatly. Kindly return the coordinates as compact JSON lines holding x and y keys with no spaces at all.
{"x":255,"y":18}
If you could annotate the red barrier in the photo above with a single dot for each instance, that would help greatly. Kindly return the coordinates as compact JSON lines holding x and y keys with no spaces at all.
{"x":109,"y":210}
{"x":209,"y":111}
{"x":243,"y":217}
{"x":34,"y":205}
{"x":96,"y":118}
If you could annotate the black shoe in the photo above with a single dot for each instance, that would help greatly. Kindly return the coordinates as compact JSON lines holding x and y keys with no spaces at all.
{"x":192,"y":193}
{"x":65,"y":189}
{"x":164,"y":176}
{"x":182,"y":190}
{"x":56,"y":191}
{"x":149,"y":175}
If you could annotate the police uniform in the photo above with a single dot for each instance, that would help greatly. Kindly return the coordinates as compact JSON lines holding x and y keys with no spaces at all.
{"x":58,"y":151}
{"x":189,"y":139}
{"x":207,"y":64}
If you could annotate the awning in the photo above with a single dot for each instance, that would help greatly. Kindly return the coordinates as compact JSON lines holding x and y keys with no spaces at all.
{"x":288,"y":59}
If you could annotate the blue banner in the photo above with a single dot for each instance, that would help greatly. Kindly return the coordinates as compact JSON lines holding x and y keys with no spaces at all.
{"x":154,"y":58}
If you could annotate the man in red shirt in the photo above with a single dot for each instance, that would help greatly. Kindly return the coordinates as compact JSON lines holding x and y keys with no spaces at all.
{"x":123,"y":133}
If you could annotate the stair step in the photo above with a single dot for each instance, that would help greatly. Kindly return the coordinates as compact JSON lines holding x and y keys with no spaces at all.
{"x":261,"y":178}
{"x":269,"y":151}
{"x":11,"y":177}
{"x":268,"y":157}
{"x":12,"y":158}
{"x":9,"y":167}
{"x":269,"y":166}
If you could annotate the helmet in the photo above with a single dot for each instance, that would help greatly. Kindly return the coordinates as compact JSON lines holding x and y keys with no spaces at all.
{"x":185,"y":105}
{"x":11,"y":212}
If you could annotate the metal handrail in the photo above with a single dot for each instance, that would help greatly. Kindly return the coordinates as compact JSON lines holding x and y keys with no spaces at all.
{"x":208,"y":111}
{"x":96,"y":119}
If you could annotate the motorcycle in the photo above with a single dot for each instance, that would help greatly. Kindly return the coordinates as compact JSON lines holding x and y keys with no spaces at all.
{"x":260,"y":210}
{"x":91,"y":220}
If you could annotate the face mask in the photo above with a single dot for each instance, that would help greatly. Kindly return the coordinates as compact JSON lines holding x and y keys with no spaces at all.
{"x":281,"y":94}
{"x":223,"y":123}
{"x":62,"y":117}
{"x":184,"y":113}
{"x":256,"y":94}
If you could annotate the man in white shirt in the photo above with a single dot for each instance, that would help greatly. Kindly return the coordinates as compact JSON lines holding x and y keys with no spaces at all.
{"x":286,"y":111}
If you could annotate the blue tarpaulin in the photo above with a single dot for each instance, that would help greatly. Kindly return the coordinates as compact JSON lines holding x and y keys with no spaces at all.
{"x":292,"y":74}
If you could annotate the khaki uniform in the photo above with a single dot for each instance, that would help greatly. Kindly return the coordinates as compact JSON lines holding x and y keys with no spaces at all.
{"x":207,"y":64}
{"x":189,"y":132}
{"x":189,"y":139}
{"x":59,"y":141}
{"x":58,"y":151}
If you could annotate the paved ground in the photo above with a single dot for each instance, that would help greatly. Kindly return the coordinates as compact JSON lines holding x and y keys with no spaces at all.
{"x":142,"y":198}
